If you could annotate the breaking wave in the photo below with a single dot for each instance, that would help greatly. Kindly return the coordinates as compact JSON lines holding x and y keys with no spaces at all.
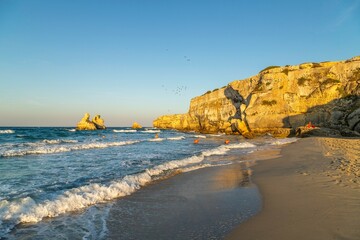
{"x":156,"y":139}
{"x":57,"y":141}
{"x":176,"y":138}
{"x":151,"y":131}
{"x":283,"y":141}
{"x":7,"y":131}
{"x":199,"y":136}
{"x":62,"y":148}
{"x":27,"y":210}
{"x":125,"y":131}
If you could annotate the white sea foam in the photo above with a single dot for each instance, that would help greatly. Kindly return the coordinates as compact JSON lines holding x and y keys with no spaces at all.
{"x":199,"y":136}
{"x":241,"y":145}
{"x":62,"y":148}
{"x":206,"y":165}
{"x":283,"y":141}
{"x":57,"y":141}
{"x":156,"y":139}
{"x":7,"y":131}
{"x":125,"y":131}
{"x":27,"y":210}
{"x":217,"y":135}
{"x":72,"y":130}
{"x":151,"y":131}
{"x":176,"y":138}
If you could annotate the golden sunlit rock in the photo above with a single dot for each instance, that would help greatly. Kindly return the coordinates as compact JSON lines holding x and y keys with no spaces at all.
{"x":277,"y":101}
{"x":136,"y":125}
{"x":86,"y":124}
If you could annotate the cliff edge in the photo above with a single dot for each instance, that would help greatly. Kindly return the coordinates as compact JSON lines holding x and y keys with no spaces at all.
{"x":278,"y":100}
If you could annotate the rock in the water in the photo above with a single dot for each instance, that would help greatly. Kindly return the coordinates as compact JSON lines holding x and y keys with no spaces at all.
{"x":86,"y":124}
{"x":278,"y":100}
{"x":99,"y":122}
{"x":136,"y":125}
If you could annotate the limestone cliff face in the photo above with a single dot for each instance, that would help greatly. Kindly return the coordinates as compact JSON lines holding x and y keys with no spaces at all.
{"x":86,"y":124}
{"x":277,"y":101}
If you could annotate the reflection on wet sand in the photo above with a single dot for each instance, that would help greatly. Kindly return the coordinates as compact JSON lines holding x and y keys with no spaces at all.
{"x":230,"y":178}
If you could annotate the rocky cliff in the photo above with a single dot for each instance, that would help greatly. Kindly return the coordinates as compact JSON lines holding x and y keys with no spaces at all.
{"x":86,"y":124}
{"x":278,"y":100}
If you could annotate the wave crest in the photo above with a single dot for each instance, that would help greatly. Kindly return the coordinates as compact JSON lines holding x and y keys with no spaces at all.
{"x":125,"y":131}
{"x":57,"y":149}
{"x":27,"y":210}
{"x":8,"y":131}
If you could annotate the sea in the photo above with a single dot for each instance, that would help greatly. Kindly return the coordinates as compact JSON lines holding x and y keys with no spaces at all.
{"x":60,"y":183}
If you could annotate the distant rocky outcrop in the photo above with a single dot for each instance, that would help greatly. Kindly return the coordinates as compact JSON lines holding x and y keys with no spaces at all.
{"x":278,"y":100}
{"x":86,"y":124}
{"x":136,"y":125}
{"x":99,"y":122}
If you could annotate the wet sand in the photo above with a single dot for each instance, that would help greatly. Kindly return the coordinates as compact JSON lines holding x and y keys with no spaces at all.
{"x":311,"y":192}
{"x":203,"y":204}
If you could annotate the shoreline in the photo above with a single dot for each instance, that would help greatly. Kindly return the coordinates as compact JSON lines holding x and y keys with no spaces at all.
{"x":203,"y":204}
{"x":304,"y":194}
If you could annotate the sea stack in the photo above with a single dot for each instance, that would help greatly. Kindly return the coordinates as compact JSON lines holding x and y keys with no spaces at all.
{"x":136,"y":125}
{"x":86,"y":124}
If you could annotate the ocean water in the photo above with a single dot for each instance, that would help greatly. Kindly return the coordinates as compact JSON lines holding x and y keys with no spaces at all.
{"x":61,"y":183}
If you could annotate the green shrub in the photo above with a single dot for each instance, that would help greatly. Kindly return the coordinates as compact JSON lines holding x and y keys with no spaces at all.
{"x":258,"y":87}
{"x":341,"y":91}
{"x":356,"y":75}
{"x":331,"y":81}
{"x":285,"y":71}
{"x":269,"y":103}
{"x":301,"y":81}
{"x":269,"y":67}
{"x":315,"y":65}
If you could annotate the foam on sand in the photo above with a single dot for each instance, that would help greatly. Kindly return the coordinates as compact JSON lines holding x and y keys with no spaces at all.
{"x":283,"y":141}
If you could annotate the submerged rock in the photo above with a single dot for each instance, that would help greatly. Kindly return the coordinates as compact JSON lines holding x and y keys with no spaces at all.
{"x":278,"y":100}
{"x":86,"y":124}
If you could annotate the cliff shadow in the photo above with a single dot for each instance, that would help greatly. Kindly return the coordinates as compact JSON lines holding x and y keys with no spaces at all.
{"x":340,"y":116}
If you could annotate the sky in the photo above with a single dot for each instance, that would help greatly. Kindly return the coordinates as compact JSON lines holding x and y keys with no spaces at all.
{"x":133,"y":60}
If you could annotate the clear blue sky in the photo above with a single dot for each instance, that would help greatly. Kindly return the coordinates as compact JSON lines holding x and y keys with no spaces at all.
{"x":136,"y":60}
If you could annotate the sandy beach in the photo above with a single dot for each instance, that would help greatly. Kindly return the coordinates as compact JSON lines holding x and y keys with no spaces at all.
{"x":202,"y":204}
{"x":304,"y":190}
{"x":311,"y":192}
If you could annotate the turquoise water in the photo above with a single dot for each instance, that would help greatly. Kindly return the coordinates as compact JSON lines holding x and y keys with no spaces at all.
{"x":53,"y":175}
